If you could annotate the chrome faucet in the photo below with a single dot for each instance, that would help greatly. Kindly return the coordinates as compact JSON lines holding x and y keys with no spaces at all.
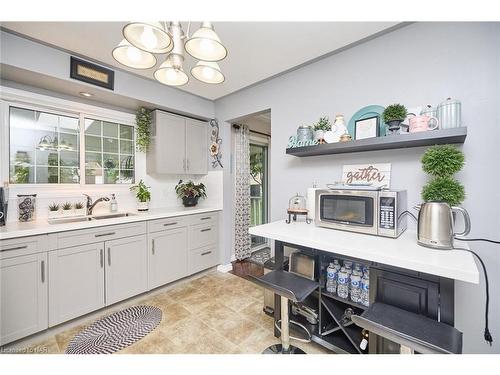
{"x":91,"y":205}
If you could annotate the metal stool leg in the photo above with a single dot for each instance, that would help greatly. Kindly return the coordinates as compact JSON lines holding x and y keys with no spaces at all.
{"x":284,"y":347}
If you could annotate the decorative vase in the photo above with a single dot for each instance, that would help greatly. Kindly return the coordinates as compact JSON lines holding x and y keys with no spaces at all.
{"x":189,"y":201}
{"x":394,"y":126}
{"x":142,"y":206}
{"x":319,"y":135}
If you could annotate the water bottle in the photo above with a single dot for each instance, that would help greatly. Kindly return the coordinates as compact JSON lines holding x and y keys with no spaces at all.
{"x":365,"y":291}
{"x":355,"y":289}
{"x":331,"y":278}
{"x":342,"y":284}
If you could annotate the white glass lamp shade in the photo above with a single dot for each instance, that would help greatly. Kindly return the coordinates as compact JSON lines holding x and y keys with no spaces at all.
{"x":208,"y":72}
{"x":128,"y":55}
{"x":205,"y":44}
{"x":148,"y":36}
{"x":168,"y":75}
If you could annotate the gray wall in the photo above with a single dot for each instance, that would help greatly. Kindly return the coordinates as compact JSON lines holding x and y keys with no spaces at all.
{"x":418,"y":64}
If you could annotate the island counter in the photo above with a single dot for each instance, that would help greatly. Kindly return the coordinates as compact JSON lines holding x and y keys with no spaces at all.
{"x":402,"y":273}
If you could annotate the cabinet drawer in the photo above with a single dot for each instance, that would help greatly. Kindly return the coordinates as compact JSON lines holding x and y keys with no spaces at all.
{"x":93,"y":235}
{"x":209,"y":217}
{"x":168,"y":223}
{"x":202,"y":235}
{"x":22,"y":246}
{"x":201,"y":259}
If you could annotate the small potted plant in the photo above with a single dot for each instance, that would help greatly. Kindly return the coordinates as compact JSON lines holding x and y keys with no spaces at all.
{"x":53,"y":210}
{"x":394,"y":115}
{"x":142,"y":194}
{"x":322,"y":126}
{"x":80,"y":208}
{"x":67,"y":209}
{"x":190,"y":192}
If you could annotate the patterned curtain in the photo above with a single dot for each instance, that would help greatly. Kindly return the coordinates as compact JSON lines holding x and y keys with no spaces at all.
{"x":242,"y":241}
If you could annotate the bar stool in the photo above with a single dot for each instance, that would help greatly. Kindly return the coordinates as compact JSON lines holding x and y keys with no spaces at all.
{"x":288,"y":286}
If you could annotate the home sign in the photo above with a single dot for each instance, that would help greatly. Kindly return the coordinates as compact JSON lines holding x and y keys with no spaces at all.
{"x":376,"y":175}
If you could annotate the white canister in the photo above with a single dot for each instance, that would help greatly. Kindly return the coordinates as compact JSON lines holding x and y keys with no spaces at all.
{"x":311,"y":202}
{"x":449,"y":114}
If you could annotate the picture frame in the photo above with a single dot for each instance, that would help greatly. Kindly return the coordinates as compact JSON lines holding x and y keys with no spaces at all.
{"x":87,"y":72}
{"x":367,"y":128}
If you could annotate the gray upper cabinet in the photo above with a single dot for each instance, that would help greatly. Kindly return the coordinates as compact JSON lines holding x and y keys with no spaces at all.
{"x":179,"y":145}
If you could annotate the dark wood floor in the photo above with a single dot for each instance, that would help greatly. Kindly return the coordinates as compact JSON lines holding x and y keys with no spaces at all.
{"x":243,"y":268}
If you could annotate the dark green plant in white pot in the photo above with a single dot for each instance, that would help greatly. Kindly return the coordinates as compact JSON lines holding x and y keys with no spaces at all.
{"x":142,"y":194}
{"x":54,"y":210}
{"x":394,"y":115}
{"x":190,"y":192}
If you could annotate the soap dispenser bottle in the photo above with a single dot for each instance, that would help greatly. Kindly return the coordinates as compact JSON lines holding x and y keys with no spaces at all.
{"x":113,"y":204}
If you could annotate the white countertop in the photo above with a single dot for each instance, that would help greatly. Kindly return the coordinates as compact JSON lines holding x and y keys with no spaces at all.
{"x":42,"y":226}
{"x":403,"y":252}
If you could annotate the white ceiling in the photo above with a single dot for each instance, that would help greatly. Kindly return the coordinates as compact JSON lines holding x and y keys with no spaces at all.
{"x":257,"y":50}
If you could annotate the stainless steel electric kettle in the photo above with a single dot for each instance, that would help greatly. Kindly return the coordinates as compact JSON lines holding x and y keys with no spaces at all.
{"x":436,"y":224}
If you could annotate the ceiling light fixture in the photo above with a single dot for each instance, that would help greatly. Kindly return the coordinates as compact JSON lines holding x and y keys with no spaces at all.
{"x":208,"y":72}
{"x":143,"y":39}
{"x":205,"y":44}
{"x":86,"y":94}
{"x":148,"y":36}
{"x":128,"y":55}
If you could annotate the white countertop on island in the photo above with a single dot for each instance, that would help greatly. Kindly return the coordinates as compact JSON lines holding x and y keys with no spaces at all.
{"x":18,"y":229}
{"x":403,"y":252}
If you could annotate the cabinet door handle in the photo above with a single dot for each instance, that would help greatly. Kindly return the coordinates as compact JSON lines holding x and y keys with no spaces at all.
{"x":16,"y":248}
{"x":205,"y":218}
{"x":187,"y":164}
{"x":101,"y":257}
{"x":168,"y":224}
{"x":105,"y":234}
{"x":43,"y":271}
{"x":206,"y":230}
{"x":183,"y":164}
{"x":206,"y":253}
{"x":109,"y":256}
{"x":153,"y":247}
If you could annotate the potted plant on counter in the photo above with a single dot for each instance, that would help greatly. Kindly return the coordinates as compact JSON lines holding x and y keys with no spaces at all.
{"x":80,"y":209}
{"x":142,"y":194}
{"x":442,"y":162}
{"x":67,"y":209}
{"x":322,"y":126}
{"x":53,"y":210}
{"x":394,"y":115}
{"x":190,"y":192}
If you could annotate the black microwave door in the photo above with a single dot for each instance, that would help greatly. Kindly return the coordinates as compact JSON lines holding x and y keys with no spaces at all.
{"x":345,"y":209}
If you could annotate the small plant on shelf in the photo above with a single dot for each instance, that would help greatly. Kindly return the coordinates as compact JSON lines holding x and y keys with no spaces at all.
{"x":142,"y":194}
{"x":190,"y":192}
{"x":394,"y":115}
{"x":323,"y":125}
{"x":78,"y":205}
{"x":80,"y":208}
{"x":67,"y":206}
{"x":442,"y":162}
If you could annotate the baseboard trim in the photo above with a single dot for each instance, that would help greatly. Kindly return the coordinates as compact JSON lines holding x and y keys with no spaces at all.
{"x":225,"y":267}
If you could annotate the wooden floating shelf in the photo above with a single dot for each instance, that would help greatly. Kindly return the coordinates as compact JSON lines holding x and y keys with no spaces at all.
{"x":389,"y":142}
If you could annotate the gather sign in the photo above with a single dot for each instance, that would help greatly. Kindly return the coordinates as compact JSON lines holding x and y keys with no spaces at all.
{"x":376,"y":175}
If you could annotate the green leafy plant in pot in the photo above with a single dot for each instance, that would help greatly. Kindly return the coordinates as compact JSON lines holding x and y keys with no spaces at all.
{"x":190,"y":192}
{"x":323,"y":125}
{"x":442,"y":162}
{"x":394,"y":115}
{"x":142,"y":194}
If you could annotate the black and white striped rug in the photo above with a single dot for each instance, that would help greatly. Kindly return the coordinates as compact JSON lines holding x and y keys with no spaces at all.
{"x":116,"y":331}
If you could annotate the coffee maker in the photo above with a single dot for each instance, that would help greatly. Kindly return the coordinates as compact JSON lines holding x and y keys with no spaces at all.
{"x":4,"y":203}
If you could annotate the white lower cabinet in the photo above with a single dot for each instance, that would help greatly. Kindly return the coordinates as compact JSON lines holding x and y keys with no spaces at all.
{"x":168,"y":256}
{"x":23,"y":291}
{"x":126,"y":268}
{"x":76,"y":283}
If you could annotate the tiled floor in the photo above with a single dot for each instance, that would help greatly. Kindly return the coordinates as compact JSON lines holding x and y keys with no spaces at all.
{"x":217,"y":313}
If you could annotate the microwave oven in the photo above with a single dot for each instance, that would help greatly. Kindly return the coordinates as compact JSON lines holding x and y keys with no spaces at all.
{"x":376,"y":212}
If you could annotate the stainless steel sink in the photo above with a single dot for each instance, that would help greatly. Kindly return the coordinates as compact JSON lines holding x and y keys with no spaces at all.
{"x":66,"y":220}
{"x":112,"y":216}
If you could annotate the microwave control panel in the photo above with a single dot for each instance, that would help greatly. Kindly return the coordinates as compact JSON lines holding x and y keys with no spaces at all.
{"x":387,"y":212}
